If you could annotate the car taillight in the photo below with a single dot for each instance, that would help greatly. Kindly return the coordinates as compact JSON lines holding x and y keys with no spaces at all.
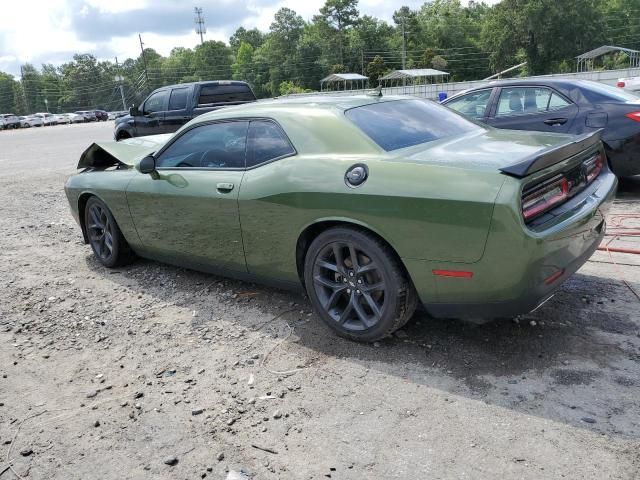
{"x":633,"y":116}
{"x":593,"y":167}
{"x":621,"y":84}
{"x":544,"y":197}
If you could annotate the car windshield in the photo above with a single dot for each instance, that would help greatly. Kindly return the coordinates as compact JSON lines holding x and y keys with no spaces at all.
{"x":601,"y":92}
{"x":404,"y":123}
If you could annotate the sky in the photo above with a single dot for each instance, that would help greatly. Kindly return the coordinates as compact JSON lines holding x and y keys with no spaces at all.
{"x":51,"y":31}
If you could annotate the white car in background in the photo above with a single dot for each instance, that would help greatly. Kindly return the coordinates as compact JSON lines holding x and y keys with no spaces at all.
{"x":76,"y":118}
{"x":630,"y":83}
{"x":47,"y":118}
{"x":62,"y":119}
{"x":30,"y":121}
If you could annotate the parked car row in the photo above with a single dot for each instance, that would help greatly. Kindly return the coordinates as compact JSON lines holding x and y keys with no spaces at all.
{"x":11,"y":121}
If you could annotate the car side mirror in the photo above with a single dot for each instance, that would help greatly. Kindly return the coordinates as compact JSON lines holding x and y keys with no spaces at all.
{"x":147,"y":165}
{"x":133,"y":111}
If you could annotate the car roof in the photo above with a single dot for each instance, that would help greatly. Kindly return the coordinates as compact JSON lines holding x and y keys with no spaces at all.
{"x":327,"y":102}
{"x":204,"y":82}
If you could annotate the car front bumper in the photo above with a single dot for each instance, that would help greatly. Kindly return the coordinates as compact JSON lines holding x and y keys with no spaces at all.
{"x":520,"y":268}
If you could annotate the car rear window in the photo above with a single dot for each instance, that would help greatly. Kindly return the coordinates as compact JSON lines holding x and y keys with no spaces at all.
{"x":404,"y":123}
{"x":224,"y":93}
{"x":599,"y":92}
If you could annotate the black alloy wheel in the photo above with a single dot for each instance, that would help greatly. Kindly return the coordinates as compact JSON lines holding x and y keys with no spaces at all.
{"x":349,"y":285}
{"x":100,"y":231}
{"x":357,"y":285}
{"x":104,"y":235}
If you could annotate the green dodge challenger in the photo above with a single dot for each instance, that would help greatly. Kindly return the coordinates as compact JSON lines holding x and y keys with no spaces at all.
{"x":371,"y":204}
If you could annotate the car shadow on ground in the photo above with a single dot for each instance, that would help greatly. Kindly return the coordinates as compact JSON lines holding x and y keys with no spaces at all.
{"x":577,"y":357}
{"x":629,"y":188}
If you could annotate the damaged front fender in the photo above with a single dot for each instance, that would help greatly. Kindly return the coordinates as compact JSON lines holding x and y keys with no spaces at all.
{"x":125,"y":153}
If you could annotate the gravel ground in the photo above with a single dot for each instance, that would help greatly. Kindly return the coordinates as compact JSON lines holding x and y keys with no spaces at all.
{"x":152,"y":371}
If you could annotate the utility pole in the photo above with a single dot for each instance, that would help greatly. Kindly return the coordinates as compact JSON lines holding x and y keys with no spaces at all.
{"x":404,"y":46}
{"x":24,"y":90}
{"x":144,"y":59}
{"x":119,"y":79}
{"x":199,"y":21}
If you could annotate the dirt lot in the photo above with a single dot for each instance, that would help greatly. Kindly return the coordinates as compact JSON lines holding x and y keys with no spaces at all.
{"x":110,"y":374}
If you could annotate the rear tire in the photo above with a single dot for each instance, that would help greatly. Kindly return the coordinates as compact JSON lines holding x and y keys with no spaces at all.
{"x":363,"y":300}
{"x":106,"y":239}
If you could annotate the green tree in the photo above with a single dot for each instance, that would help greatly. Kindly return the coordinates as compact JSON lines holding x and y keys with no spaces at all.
{"x":243,"y":66}
{"x":439,"y":63}
{"x":253,"y":37}
{"x":376,"y":69}
{"x":548,"y":32}
{"x":7,"y":85}
{"x":178,"y":66}
{"x":32,"y":87}
{"x":288,"y":87}
{"x":339,"y":15}
{"x":280,"y":48}
{"x":213,"y":61}
{"x":408,"y":33}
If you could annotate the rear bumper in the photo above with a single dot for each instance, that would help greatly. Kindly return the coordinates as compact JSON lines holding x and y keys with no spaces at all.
{"x":520,"y":268}
{"x":526,"y":303}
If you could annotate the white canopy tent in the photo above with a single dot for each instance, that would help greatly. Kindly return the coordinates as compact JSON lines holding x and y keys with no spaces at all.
{"x":585,"y":62}
{"x":414,"y":76}
{"x":344,"y":79}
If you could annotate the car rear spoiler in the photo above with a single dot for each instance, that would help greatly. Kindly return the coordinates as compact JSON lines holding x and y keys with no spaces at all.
{"x":552,"y":155}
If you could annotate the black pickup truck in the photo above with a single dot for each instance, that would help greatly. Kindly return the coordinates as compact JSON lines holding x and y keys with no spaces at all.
{"x":168,"y":108}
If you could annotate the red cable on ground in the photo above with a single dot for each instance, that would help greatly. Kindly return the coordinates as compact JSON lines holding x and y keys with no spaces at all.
{"x":615,"y":230}
{"x":619,"y":250}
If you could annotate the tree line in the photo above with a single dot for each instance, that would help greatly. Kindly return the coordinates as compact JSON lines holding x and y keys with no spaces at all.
{"x":469,"y":41}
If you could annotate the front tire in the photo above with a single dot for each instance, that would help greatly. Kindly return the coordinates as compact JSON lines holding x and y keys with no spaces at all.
{"x":122,"y":135}
{"x":357,"y":285}
{"x":106,"y":239}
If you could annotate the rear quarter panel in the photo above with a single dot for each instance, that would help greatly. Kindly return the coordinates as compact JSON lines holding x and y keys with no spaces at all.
{"x":424,"y":211}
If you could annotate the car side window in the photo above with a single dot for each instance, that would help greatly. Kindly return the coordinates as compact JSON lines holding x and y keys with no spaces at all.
{"x":527,"y":100}
{"x":472,"y":104}
{"x":556,"y":102}
{"x":266,"y":141}
{"x":155,"y":103}
{"x":215,"y":145}
{"x":178,"y":99}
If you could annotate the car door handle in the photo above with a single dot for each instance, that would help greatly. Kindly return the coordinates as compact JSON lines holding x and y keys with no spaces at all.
{"x":224,"y":187}
{"x":556,"y":121}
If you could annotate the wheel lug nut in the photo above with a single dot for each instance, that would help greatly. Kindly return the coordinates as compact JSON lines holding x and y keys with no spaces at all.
{"x":348,"y":290}
{"x":351,"y":274}
{"x":358,"y":292}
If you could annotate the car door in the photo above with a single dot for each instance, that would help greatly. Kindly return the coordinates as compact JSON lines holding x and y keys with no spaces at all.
{"x":176,"y":114}
{"x":263,"y":217}
{"x":475,"y":105}
{"x":151,"y":113}
{"x":532,"y":108}
{"x":187,"y":211}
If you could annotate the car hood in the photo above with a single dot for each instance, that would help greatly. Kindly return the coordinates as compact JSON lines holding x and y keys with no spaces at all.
{"x":126,"y":152}
{"x":486,"y":149}
{"x":123,"y":119}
